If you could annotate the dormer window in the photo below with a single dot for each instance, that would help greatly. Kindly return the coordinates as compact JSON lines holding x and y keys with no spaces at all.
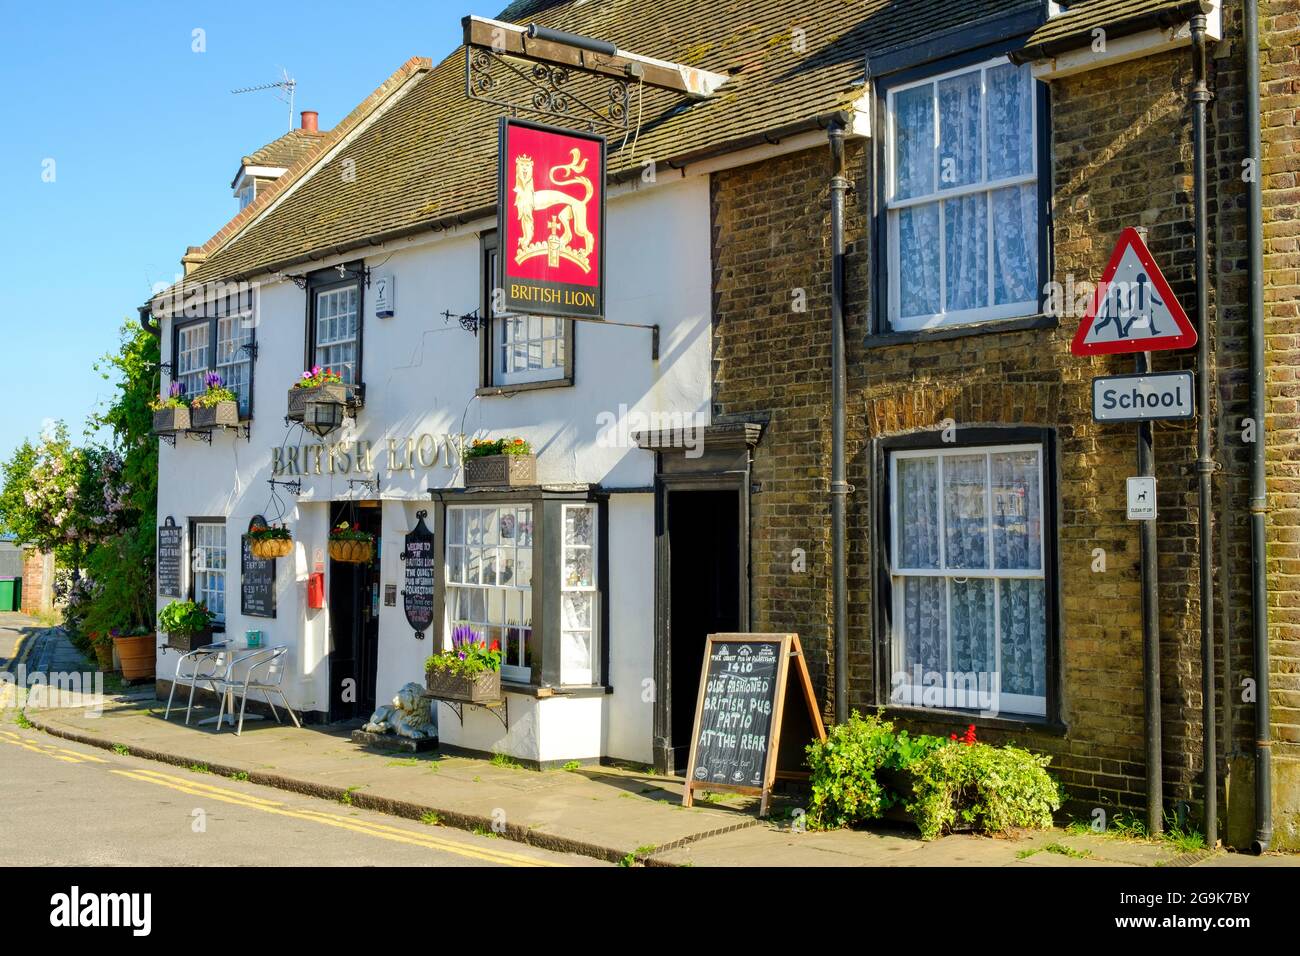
{"x":246,"y":194}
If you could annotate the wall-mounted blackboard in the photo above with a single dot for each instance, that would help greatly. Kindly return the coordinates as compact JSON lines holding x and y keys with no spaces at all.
{"x":171,"y":545}
{"x":417,"y":591}
{"x":256,"y":578}
{"x":747,"y":705}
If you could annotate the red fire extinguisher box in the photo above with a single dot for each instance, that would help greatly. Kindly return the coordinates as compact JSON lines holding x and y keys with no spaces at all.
{"x":316,"y":590}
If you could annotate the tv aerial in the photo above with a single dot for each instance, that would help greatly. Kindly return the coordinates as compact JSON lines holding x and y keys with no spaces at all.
{"x":285,"y":86}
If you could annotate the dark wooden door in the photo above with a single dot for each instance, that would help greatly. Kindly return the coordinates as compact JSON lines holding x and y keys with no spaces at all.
{"x":354,"y":623}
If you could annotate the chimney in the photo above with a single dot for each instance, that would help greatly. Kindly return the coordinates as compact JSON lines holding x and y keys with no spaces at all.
{"x":310,"y":120}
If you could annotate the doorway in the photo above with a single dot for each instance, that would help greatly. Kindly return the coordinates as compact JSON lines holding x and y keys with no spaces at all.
{"x":354,"y":618}
{"x":705,"y":596}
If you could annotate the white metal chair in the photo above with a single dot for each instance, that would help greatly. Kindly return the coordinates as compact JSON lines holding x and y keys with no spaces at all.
{"x":204,"y":666}
{"x":265,"y":674}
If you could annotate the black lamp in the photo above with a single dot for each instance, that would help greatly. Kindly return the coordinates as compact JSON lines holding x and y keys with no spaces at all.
{"x":322,"y":417}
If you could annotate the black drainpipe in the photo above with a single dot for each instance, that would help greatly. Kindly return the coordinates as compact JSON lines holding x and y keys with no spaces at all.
{"x":1200,"y":95}
{"x":149,"y":322}
{"x":1258,"y":486}
{"x":839,"y":487}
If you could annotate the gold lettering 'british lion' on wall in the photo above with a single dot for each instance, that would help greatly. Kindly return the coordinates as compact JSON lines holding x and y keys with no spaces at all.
{"x":361,"y":457}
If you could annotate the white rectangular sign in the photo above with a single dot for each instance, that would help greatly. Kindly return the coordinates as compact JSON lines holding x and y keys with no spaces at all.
{"x":385,"y":296}
{"x":1139,"y":398}
{"x":1141,"y":499}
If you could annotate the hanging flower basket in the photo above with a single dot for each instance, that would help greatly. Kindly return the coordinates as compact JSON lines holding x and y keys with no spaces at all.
{"x":208,"y":417}
{"x":352,"y":552}
{"x":268,"y":549}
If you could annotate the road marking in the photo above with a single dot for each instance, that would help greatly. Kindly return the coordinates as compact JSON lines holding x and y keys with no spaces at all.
{"x":19,"y":742}
{"x":52,"y":749}
{"x":382,"y":831}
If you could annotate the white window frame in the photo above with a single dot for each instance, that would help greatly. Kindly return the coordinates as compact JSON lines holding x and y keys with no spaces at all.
{"x":510,"y":670}
{"x":1019,"y":704}
{"x":234,"y":364}
{"x":581,"y":676}
{"x":505,"y":344}
{"x":192,"y":341}
{"x":208,"y":565}
{"x":347,"y":370}
{"x":989,"y":312}
{"x":246,"y":194}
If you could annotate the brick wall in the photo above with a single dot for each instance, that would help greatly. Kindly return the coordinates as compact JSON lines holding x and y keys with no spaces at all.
{"x":1121,"y":156}
{"x":38,"y":594}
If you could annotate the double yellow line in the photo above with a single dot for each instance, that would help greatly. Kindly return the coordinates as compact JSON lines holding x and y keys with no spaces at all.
{"x":369,"y":828}
{"x":48,"y":749}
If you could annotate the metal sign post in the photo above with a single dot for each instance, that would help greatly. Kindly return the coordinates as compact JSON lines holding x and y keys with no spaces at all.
{"x":1146,"y":467}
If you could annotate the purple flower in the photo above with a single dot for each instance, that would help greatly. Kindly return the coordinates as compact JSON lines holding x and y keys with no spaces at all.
{"x":213,"y":380}
{"x":462,"y":637}
{"x":177,"y":389}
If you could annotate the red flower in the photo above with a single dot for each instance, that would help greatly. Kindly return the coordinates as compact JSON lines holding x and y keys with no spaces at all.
{"x":969,"y":737}
{"x":952,"y":737}
{"x":496,"y":646}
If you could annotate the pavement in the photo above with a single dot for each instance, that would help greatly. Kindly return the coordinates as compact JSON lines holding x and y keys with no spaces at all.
{"x":603,"y":813}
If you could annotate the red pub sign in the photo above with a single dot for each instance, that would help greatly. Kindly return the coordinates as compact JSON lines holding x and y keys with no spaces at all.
{"x":551,"y":220}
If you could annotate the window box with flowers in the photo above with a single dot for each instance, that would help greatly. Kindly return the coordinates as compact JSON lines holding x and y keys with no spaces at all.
{"x":500,"y":463}
{"x":322,"y":386}
{"x":268,"y":542}
{"x":469,"y":672}
{"x":171,"y":414}
{"x":217,"y":407}
{"x":350,"y":544}
{"x":187,"y":624}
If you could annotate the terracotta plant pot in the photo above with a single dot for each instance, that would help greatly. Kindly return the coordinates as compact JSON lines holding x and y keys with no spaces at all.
{"x":137,"y":654}
{"x":444,"y":685}
{"x":352,"y":552}
{"x":333,"y":392}
{"x":270,"y":548}
{"x":168,"y":421}
{"x":501,"y":471}
{"x":222,"y":414}
{"x":103,"y":654}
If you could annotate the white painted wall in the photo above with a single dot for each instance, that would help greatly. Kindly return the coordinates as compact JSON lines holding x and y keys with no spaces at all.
{"x":421,"y":374}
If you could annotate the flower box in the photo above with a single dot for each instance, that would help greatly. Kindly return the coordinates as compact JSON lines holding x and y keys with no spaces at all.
{"x":501,"y":471}
{"x":268,"y":549}
{"x":482,"y":689}
{"x":168,"y":421}
{"x":190,"y":640}
{"x":208,"y":417}
{"x":338,"y":393}
{"x":352,"y":552}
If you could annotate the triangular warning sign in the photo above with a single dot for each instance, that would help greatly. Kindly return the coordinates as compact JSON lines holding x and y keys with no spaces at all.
{"x":1133,"y":310}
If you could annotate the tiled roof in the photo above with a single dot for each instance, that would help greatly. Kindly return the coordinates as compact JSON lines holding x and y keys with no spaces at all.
{"x":287,"y":150}
{"x":1074,"y":27}
{"x":432,"y":155}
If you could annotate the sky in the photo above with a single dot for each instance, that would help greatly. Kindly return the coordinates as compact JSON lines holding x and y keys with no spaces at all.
{"x":120,"y":140}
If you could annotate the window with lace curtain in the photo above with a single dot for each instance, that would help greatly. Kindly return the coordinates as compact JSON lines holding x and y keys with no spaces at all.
{"x":962,"y":197}
{"x":968,"y":564}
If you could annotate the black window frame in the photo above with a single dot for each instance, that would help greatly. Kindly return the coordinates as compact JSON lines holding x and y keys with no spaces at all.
{"x":882,"y":585}
{"x":218,"y":627}
{"x":917,"y":65}
{"x":548,"y":557}
{"x":180,"y":323}
{"x":488,"y":385}
{"x":329,"y":280}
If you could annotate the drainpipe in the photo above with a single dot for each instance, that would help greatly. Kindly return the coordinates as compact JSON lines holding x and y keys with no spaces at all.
{"x":149,"y":322}
{"x":1258,"y":487}
{"x":839,"y":487}
{"x":1199,"y":96}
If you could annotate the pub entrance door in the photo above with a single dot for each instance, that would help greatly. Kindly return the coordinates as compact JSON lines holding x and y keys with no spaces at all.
{"x":354,"y":619}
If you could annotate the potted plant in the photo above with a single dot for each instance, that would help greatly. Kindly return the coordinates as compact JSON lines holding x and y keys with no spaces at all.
{"x":319,"y":385}
{"x":350,"y":544}
{"x":136,"y":651}
{"x":470,"y":671}
{"x":102,"y":644}
{"x":503,"y":462}
{"x":216,"y":407}
{"x":270,"y":542}
{"x":171,"y":414}
{"x":188,"y":625}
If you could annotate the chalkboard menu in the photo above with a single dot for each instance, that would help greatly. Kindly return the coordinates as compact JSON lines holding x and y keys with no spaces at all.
{"x":746,"y":702}
{"x":417,"y":593}
{"x":171,"y":544}
{"x":257,"y":578}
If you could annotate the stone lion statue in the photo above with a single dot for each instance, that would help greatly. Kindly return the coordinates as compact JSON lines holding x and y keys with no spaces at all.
{"x":409,"y":715}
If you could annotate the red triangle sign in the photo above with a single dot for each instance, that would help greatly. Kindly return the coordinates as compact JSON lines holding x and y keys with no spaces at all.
{"x":1133,"y":310}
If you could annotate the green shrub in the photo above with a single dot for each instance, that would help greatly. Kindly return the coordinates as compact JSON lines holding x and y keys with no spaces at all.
{"x":990,"y":789}
{"x":843,"y":772}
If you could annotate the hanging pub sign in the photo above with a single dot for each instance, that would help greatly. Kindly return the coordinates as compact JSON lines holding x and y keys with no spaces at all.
{"x":417,"y":593}
{"x":752,"y":722}
{"x":170,"y":546}
{"x":256,"y":577}
{"x":1133,"y":309}
{"x":551,"y":221}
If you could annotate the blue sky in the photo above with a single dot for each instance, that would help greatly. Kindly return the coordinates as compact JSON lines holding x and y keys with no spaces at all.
{"x":145,"y":138}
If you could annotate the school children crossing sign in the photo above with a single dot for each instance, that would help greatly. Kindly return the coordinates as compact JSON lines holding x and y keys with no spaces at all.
{"x":1133,"y":310}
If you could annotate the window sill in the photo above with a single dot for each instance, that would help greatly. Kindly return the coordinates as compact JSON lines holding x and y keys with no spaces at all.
{"x":508,"y":390}
{"x":533,"y":690}
{"x":964,"y":718}
{"x":943,"y":333}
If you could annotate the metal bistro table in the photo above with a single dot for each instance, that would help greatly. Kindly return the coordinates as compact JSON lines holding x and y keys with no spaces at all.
{"x":201,"y":656}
